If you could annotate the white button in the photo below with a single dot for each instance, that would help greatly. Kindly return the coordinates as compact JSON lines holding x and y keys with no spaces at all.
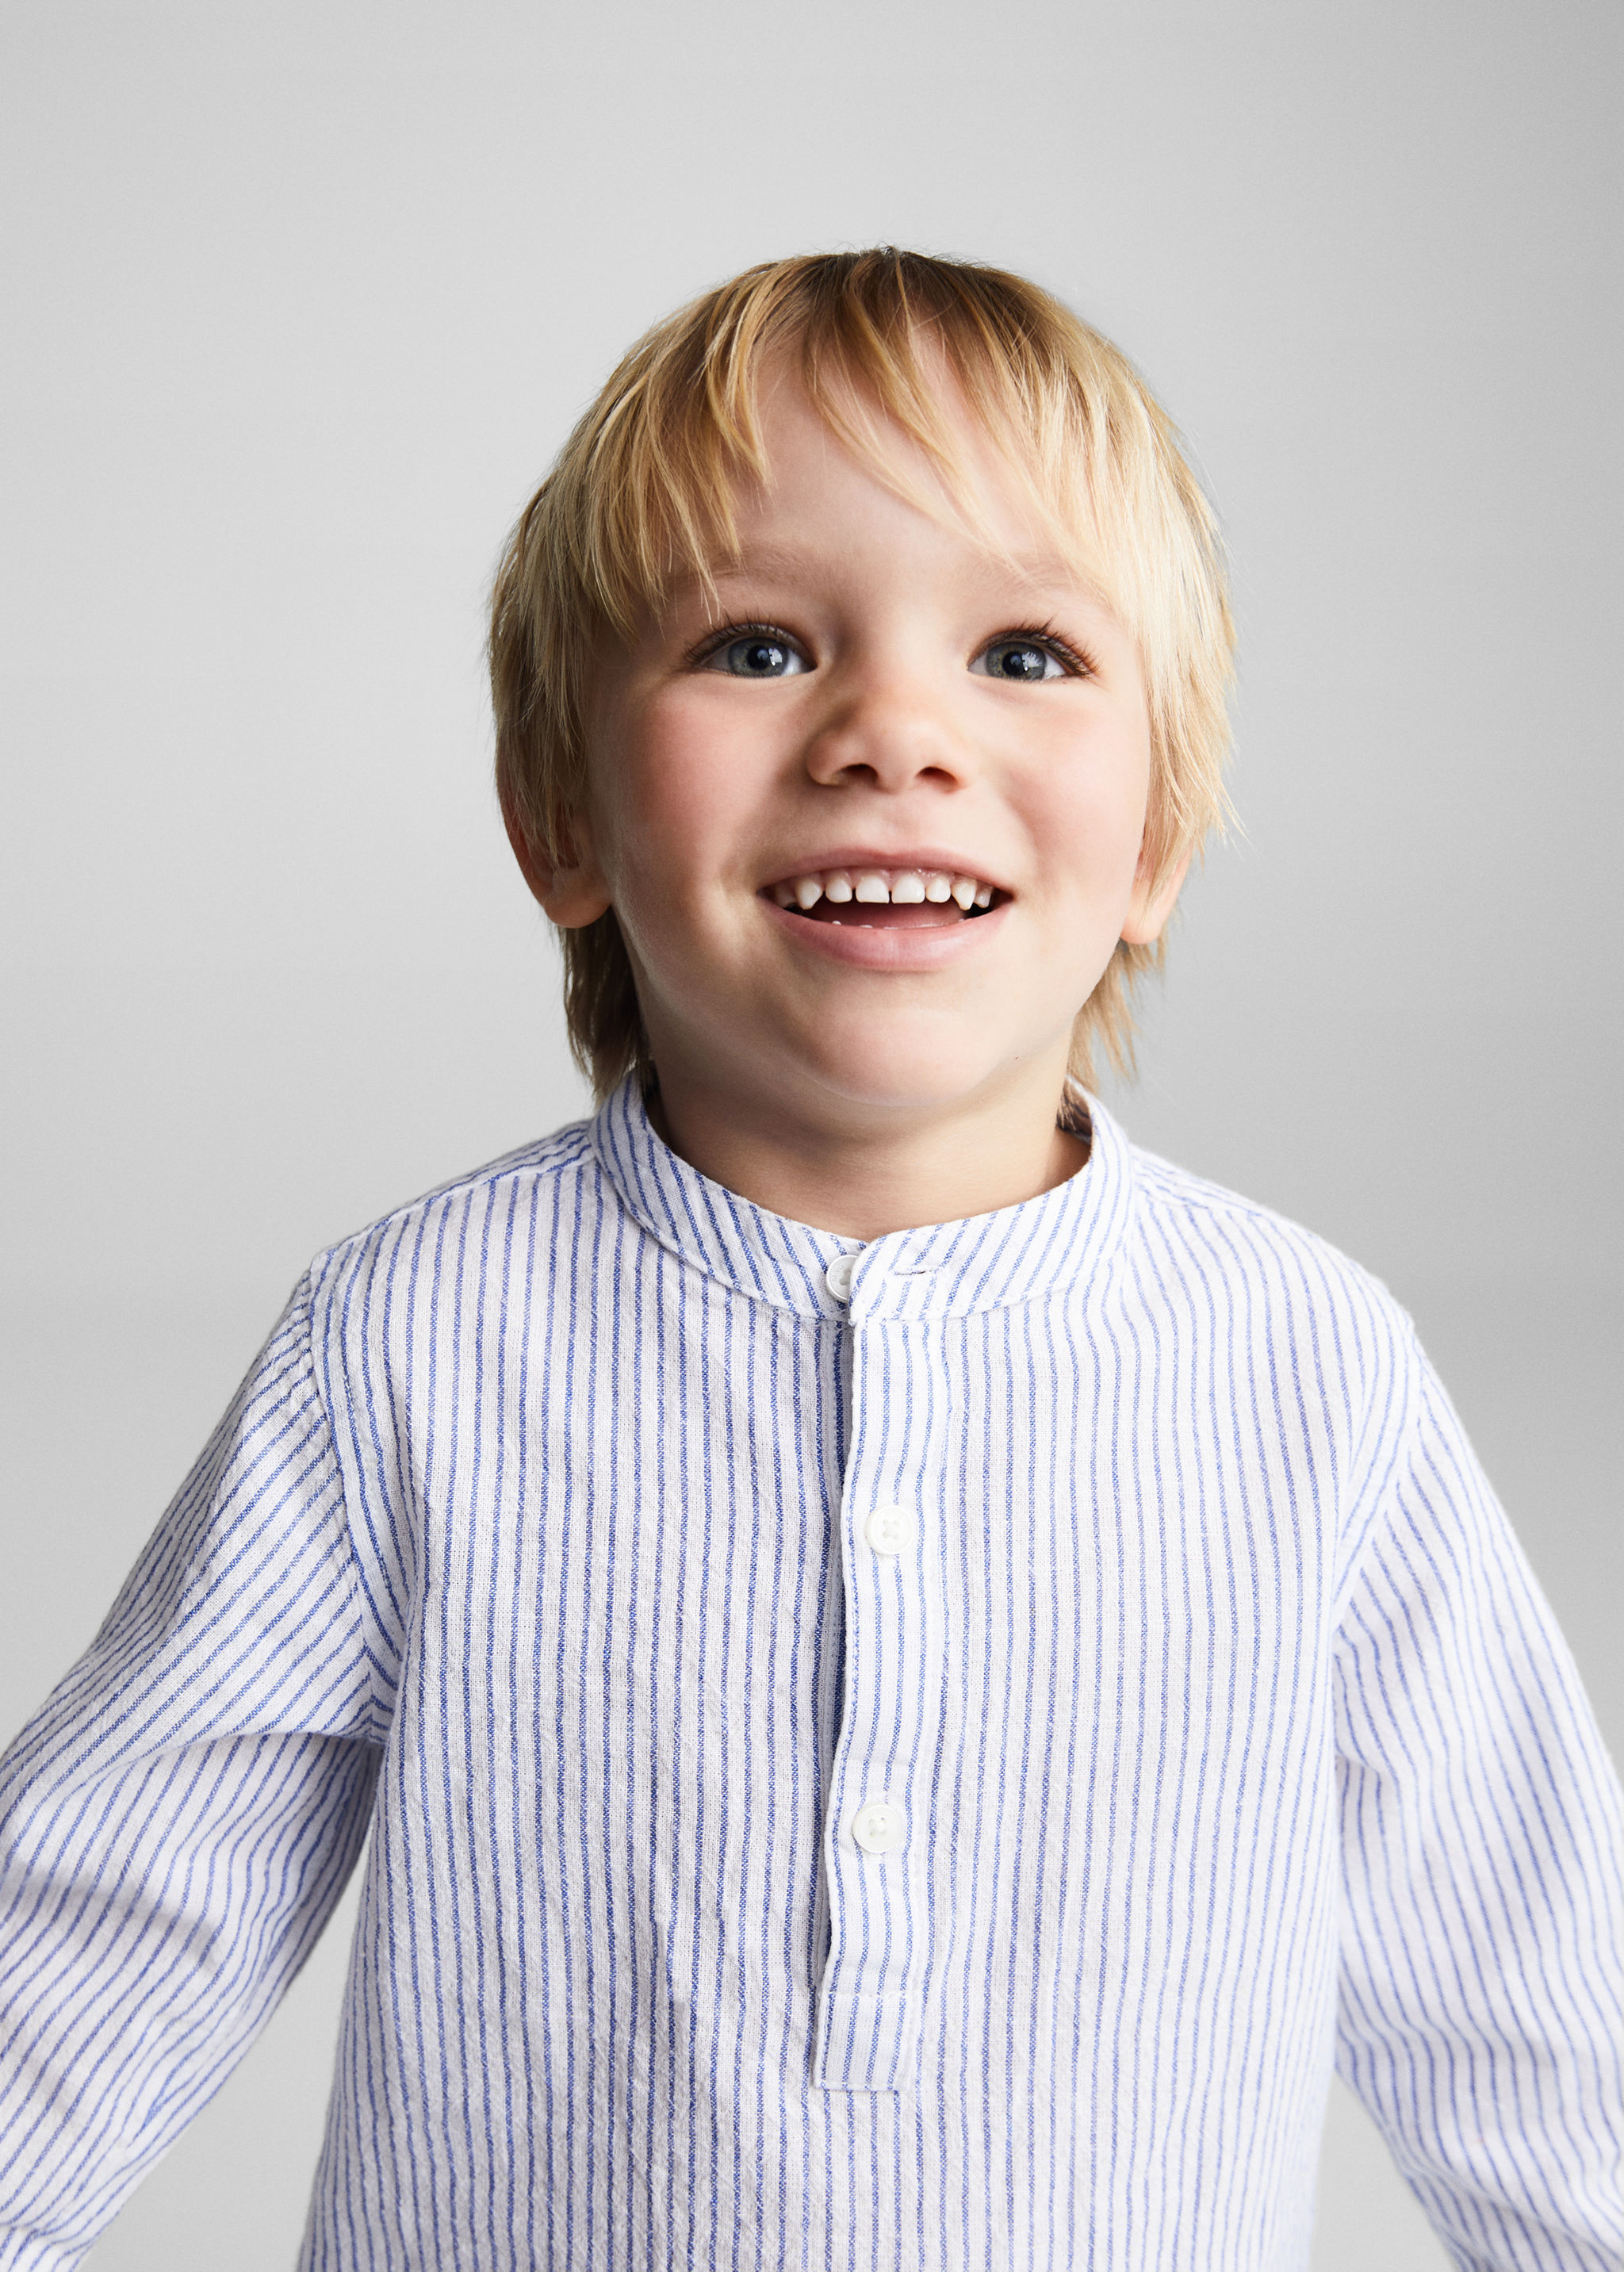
{"x":837,"y":1277}
{"x":877,"y":1826}
{"x":888,"y":1530}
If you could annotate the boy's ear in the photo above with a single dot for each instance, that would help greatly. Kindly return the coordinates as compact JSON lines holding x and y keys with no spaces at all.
{"x":1150,"y":908}
{"x":572,"y":895}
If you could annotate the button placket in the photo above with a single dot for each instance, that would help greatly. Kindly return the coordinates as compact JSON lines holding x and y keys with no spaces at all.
{"x":875,"y":1842}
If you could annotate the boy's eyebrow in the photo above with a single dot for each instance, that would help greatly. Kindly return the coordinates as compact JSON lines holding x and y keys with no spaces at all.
{"x":1043,"y":572}
{"x":767,"y":559}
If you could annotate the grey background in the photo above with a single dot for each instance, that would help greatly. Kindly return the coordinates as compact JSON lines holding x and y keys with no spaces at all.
{"x":305,"y":297}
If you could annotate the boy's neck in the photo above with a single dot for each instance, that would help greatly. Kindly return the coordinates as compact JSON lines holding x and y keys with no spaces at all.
{"x":927,"y":1168}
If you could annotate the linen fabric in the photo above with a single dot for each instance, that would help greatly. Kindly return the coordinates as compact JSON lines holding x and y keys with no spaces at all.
{"x":752,"y":1883}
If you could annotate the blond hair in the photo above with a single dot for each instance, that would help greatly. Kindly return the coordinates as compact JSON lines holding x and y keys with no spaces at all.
{"x":647,"y":485}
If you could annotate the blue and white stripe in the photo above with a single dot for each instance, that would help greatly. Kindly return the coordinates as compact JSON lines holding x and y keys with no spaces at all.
{"x":1221,"y":1728}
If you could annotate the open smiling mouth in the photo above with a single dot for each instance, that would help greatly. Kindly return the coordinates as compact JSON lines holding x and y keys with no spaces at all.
{"x":875,"y":898}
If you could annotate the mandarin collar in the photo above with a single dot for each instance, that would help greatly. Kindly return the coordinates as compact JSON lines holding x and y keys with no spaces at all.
{"x":1015,"y":1255}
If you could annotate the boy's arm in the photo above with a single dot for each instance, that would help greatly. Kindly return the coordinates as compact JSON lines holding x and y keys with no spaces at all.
{"x":1482,"y":2009}
{"x":178,"y":1819}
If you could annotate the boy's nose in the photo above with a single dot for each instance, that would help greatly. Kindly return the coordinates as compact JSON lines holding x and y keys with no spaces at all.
{"x":890,"y":738}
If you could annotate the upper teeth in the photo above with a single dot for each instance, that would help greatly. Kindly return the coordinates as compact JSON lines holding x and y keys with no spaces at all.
{"x":882,"y":887}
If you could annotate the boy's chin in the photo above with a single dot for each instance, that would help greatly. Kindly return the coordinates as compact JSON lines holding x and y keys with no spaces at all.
{"x":908,"y":1076}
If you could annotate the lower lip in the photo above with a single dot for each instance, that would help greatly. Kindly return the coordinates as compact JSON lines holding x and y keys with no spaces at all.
{"x":872,"y":947}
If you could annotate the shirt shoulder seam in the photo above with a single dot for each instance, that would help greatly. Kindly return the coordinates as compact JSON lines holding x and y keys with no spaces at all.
{"x":1163,"y":1186}
{"x":532,"y":1158}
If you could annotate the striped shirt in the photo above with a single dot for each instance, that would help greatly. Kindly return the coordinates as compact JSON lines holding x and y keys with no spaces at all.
{"x":919,"y":1754}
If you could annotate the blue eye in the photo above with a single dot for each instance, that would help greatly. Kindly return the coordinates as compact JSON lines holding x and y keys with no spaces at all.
{"x":1019,"y":661}
{"x":759,"y":654}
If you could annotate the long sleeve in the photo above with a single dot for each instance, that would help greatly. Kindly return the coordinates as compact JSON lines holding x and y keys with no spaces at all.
{"x":1482,"y":2017}
{"x":178,"y":1819}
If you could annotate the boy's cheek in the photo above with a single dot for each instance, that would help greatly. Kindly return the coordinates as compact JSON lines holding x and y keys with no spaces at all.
{"x":658,"y":766}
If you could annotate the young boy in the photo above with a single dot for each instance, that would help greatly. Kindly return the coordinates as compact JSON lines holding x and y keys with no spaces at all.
{"x":916,"y":1675}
